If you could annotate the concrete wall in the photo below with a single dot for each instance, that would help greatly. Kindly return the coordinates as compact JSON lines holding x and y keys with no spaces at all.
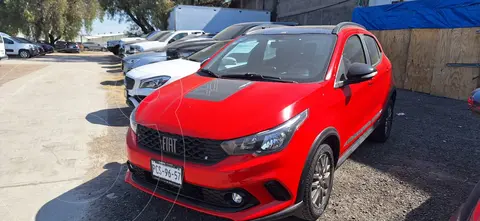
{"x":306,"y":12}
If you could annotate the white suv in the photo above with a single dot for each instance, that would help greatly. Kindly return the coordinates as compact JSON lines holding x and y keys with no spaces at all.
{"x":142,"y":81}
{"x":15,"y":46}
{"x":161,"y":42}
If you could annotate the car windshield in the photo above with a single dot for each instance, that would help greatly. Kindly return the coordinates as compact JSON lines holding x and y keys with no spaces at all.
{"x":230,"y":33}
{"x":165,"y":37}
{"x":206,"y":52}
{"x":21,"y":40}
{"x":157,"y":35}
{"x":299,"y":57}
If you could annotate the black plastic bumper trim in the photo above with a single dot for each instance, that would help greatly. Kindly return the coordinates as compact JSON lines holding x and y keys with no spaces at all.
{"x":282,"y":214}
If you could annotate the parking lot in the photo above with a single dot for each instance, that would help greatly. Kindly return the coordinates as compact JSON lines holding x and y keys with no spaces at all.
{"x":63,"y":120}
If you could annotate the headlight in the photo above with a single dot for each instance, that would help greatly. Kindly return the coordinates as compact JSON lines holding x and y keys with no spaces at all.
{"x":154,"y":82}
{"x":133,"y":123}
{"x":131,"y":61}
{"x":268,"y":141}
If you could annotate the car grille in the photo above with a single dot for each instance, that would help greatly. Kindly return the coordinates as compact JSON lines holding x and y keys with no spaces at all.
{"x":172,"y":54}
{"x":129,"y":82}
{"x":189,"y":148}
{"x":201,"y":196}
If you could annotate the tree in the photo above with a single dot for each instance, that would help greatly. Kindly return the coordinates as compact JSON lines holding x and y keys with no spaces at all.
{"x":150,"y":14}
{"x":52,"y":19}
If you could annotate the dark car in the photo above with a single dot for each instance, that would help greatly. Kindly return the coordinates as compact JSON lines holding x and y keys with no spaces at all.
{"x":185,"y":48}
{"x":63,"y":46}
{"x":46,"y":47}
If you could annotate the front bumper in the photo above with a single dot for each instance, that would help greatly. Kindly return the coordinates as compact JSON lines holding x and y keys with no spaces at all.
{"x":245,"y":172}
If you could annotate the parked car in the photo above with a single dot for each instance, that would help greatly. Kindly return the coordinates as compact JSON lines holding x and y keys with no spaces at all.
{"x":37,"y":46}
{"x":114,"y":46}
{"x":160,"y":42}
{"x":71,"y":47}
{"x":474,"y":101}
{"x":15,"y":46}
{"x":187,"y":47}
{"x":92,"y":46}
{"x":258,"y":131}
{"x":3,"y":55}
{"x":46,"y":47}
{"x":142,"y":81}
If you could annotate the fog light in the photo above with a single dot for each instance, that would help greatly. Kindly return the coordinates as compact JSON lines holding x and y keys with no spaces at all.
{"x":237,"y":198}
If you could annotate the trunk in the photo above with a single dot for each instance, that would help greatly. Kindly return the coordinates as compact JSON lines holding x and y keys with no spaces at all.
{"x":138,"y":22}
{"x":146,"y":23}
{"x":52,"y":39}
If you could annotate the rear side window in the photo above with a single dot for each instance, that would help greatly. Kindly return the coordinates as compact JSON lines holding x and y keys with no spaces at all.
{"x":8,"y":41}
{"x":373,"y":49}
{"x":353,"y":52}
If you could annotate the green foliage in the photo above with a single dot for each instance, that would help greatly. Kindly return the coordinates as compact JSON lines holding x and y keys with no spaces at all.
{"x":50,"y":19}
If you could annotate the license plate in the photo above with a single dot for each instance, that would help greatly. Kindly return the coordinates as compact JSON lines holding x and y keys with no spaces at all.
{"x":167,"y":173}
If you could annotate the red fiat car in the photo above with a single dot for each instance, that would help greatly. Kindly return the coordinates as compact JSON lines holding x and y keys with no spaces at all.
{"x":258,"y":131}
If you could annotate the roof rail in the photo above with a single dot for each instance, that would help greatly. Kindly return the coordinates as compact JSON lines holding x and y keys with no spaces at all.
{"x":341,"y":25}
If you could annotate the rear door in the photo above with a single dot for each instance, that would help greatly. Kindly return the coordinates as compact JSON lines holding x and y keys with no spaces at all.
{"x":380,"y":83}
{"x":2,"y":48}
{"x":10,"y":47}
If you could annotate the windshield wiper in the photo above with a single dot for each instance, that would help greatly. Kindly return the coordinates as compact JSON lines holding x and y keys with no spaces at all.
{"x":190,"y":59}
{"x":206,"y":71}
{"x":255,"y":76}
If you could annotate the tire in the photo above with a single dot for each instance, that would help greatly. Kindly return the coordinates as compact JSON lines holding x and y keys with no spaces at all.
{"x":311,"y":209}
{"x":24,"y":54}
{"x":384,"y":128}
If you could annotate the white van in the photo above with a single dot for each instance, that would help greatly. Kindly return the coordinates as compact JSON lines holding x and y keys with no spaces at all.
{"x":3,"y":55}
{"x":17,"y":46}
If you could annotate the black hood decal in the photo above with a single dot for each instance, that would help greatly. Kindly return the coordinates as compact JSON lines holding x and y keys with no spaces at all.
{"x":218,"y":89}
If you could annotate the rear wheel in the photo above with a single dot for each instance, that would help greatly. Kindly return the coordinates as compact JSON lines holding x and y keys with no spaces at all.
{"x":318,"y":185}
{"x":382,"y":132}
{"x":24,"y":54}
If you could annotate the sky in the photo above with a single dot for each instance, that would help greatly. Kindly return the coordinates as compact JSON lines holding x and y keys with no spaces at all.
{"x":108,"y":25}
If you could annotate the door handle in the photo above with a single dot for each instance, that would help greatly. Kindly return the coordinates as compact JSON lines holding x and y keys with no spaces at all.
{"x":370,"y":83}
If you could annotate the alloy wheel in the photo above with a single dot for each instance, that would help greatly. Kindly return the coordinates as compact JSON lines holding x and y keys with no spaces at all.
{"x":24,"y":54}
{"x":321,"y":181}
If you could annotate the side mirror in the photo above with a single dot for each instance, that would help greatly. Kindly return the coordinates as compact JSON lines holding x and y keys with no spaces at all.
{"x":360,"y":72}
{"x":171,"y":40}
{"x":229,"y":61}
{"x":474,"y":101}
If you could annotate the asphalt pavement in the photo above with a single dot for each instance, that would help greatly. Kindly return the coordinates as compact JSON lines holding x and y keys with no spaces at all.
{"x":63,"y":122}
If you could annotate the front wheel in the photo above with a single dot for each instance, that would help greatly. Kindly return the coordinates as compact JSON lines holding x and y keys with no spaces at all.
{"x":24,"y":54}
{"x":318,"y":185}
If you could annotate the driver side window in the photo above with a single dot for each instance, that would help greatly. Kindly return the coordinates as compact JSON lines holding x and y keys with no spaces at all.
{"x":352,"y":53}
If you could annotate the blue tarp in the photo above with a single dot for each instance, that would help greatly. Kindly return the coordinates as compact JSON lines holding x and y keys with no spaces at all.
{"x":420,"y":14}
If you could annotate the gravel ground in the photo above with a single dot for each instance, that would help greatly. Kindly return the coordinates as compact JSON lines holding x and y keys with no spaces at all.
{"x":423,"y":172}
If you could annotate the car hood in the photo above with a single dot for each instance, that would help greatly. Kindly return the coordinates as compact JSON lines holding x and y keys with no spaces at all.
{"x":150,"y":44}
{"x":222,"y":109}
{"x":174,"y":68}
{"x":128,"y":40}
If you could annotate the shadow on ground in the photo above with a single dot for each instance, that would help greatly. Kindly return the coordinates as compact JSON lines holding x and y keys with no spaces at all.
{"x":112,"y":83}
{"x":114,"y":117}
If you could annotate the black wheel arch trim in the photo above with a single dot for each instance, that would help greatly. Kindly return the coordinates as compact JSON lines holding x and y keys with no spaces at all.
{"x":327,"y":132}
{"x":282,"y":214}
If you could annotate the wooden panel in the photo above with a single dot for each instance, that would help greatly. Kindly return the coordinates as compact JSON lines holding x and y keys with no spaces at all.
{"x":421,"y":58}
{"x":456,"y":46}
{"x":395,"y":45}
